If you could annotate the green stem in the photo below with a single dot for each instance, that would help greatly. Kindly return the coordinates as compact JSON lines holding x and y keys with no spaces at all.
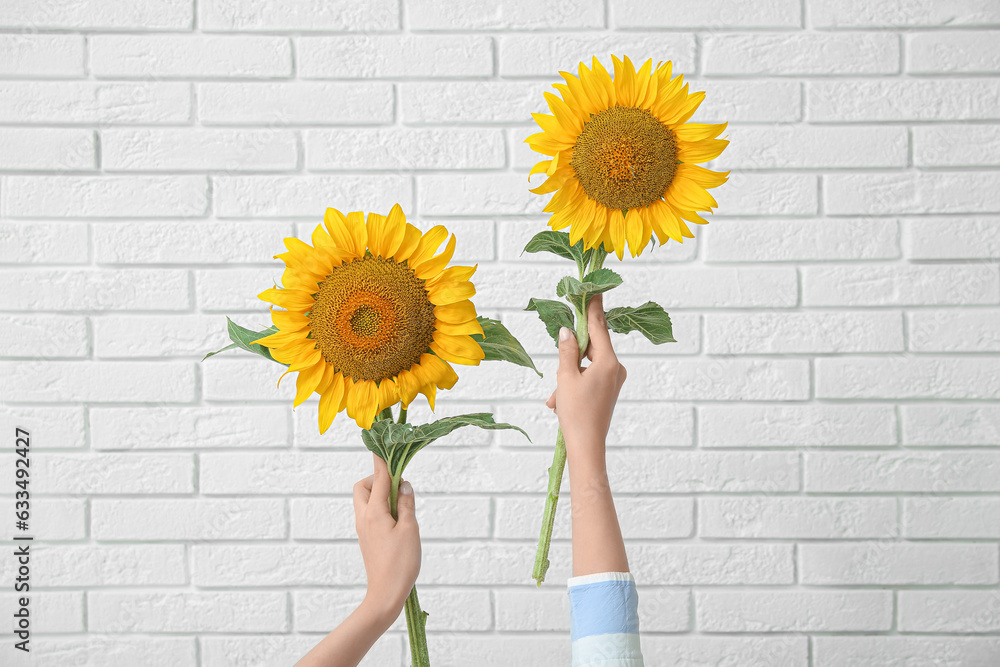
{"x":548,"y":519}
{"x":416,"y":618}
{"x":402,"y":415}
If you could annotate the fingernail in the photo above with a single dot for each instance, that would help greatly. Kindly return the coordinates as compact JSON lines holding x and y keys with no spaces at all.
{"x":405,"y":488}
{"x":564,"y":334}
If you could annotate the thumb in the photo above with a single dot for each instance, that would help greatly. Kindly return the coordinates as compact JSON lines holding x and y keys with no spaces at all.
{"x":569,"y":352}
{"x":405,"y":504}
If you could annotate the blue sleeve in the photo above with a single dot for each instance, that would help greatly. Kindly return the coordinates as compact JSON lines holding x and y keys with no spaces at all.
{"x":604,"y":620}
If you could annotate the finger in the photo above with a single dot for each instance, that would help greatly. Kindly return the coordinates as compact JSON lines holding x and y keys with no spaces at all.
{"x":379,"y":501}
{"x":622,"y":374}
{"x":569,"y":353}
{"x":405,"y":504}
{"x":362,"y":492}
{"x":600,"y":337}
{"x":551,"y":403}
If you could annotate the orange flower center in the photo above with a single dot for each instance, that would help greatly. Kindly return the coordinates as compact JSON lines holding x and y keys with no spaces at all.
{"x":625,"y":158}
{"x":372,"y":318}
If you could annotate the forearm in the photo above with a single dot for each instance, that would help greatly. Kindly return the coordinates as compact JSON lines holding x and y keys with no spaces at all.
{"x":597,"y":536}
{"x":350,"y":641}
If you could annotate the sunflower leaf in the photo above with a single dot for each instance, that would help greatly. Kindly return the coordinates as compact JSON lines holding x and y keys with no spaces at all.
{"x":500,"y":345}
{"x":649,"y":319}
{"x":555,"y":315}
{"x":387,"y":440}
{"x":578,"y":292}
{"x":557,"y":243}
{"x":243,"y":338}
{"x":425,"y":434}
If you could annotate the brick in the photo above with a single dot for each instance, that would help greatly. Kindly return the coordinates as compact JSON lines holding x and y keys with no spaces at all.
{"x":439,"y":518}
{"x":959,"y":51}
{"x":476,"y":194}
{"x":968,"y":237}
{"x":103,"y":474}
{"x":86,"y":289}
{"x":695,"y":472}
{"x":936,"y":425}
{"x":177,"y":56}
{"x":817,"y":332}
{"x":61,"y":519}
{"x":631,"y":426}
{"x":32,"y":336}
{"x":404,"y":148}
{"x":117,"y":336}
{"x":796,"y":425}
{"x":714,"y":14}
{"x":51,"y":611}
{"x":252,"y":473}
{"x":951,"y":518}
{"x":49,"y":149}
{"x":49,"y":427}
{"x":956,"y":146}
{"x":735,"y":101}
{"x":899,"y":14}
{"x":208,"y":427}
{"x":111,"y":651}
{"x":902,"y":99}
{"x":394,"y":56}
{"x":274,"y":650}
{"x":107,"y":196}
{"x":189,"y":149}
{"x":660,"y":610}
{"x":909,"y":193}
{"x":479,"y":102}
{"x":900,"y":285}
{"x":188,"y":519}
{"x":787,"y":651}
{"x":955,"y":331}
{"x":98,"y":381}
{"x":235,"y":288}
{"x":298,"y":15}
{"x":545,"y":55}
{"x":807,"y":53}
{"x":891,"y":651}
{"x":188,"y":242}
{"x":39,"y":55}
{"x":505,"y":15}
{"x":898,"y":563}
{"x":93,"y":14}
{"x":202,"y":611}
{"x":902,"y":472}
{"x":722,"y":379}
{"x":491,"y":650}
{"x":794,"y":611}
{"x":277,"y":105}
{"x":453,"y":610}
{"x":645,"y":517}
{"x":748,"y":193}
{"x":797,"y":518}
{"x":308,"y":195}
{"x":814,"y":147}
{"x":712,"y":564}
{"x":112,"y":565}
{"x":88,"y":102}
{"x":902,"y":377}
{"x":43,"y":243}
{"x":278,"y":565}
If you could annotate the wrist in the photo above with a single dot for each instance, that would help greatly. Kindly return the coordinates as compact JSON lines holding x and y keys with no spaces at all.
{"x":379,"y":613}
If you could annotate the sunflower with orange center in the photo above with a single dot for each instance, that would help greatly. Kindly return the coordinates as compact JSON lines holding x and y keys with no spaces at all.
{"x":623,"y":163}
{"x":372,"y":315}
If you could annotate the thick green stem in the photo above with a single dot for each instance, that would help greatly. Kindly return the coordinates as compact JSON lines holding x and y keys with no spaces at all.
{"x":548,"y":519}
{"x":416,"y":618}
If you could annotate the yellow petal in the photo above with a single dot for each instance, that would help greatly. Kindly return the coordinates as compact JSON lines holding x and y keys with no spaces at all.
{"x":438,"y":371}
{"x":329,"y":402}
{"x":434,"y":265}
{"x":633,"y":232}
{"x":451,"y":274}
{"x":411,"y":237}
{"x":428,"y":243}
{"x":307,"y":382}
{"x":388,"y":394}
{"x":289,"y":320}
{"x":616,"y":230}
{"x":430,"y":391}
{"x":376,"y":234}
{"x":459,"y":311}
{"x":358,"y":231}
{"x":450,"y":292}
{"x":395,"y":229}
{"x":459,"y":329}
{"x":362,"y":403}
{"x":457,"y":349}
{"x":306,"y":361}
{"x":408,"y":387}
{"x":340,"y":233}
{"x":698,"y":131}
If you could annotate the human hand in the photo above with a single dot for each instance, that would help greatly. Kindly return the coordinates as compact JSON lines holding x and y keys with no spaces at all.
{"x":390,"y":547}
{"x":584,"y":399}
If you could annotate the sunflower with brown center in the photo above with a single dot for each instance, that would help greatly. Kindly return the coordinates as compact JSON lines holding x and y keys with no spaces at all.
{"x":372,"y":316}
{"x":623,"y":156}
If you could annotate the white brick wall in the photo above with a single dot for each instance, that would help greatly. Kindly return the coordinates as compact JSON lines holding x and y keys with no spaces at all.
{"x":809,"y":477}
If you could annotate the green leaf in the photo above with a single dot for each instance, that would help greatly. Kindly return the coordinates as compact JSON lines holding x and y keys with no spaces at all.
{"x":244,"y":338}
{"x":555,"y":315}
{"x":427,"y":433}
{"x":500,"y":345}
{"x":649,"y":319}
{"x":557,"y":243}
{"x":578,"y":292}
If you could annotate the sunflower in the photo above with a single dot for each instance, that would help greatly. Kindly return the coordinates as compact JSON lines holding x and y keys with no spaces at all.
{"x":623,"y":156}
{"x":372,"y":316}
